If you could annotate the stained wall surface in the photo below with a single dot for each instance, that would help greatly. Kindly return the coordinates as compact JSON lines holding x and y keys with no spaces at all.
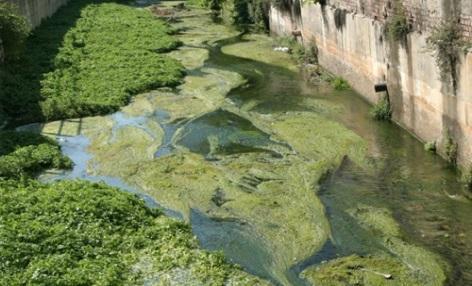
{"x":36,"y":10}
{"x":351,"y":42}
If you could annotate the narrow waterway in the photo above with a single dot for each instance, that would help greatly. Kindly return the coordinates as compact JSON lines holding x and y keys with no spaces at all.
{"x":280,"y":175}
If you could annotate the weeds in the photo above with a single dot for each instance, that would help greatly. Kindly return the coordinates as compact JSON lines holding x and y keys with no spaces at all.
{"x":447,"y":43}
{"x":339,"y":83}
{"x":430,"y":146}
{"x":382,"y":110}
{"x":397,"y":26}
{"x":451,"y":149}
{"x":302,"y":54}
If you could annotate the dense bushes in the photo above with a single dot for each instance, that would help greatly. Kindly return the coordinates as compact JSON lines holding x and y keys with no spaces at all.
{"x":78,"y":233}
{"x":88,"y":59}
{"x":13,"y":30}
{"x":24,"y":154}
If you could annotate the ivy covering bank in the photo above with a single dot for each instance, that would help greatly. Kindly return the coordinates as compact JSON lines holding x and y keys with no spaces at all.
{"x":89,"y":59}
{"x":80,"y":233}
{"x":24,"y":154}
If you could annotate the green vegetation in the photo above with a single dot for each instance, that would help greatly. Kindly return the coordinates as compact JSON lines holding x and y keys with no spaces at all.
{"x":450,"y":149}
{"x":79,"y":233}
{"x":339,"y":83}
{"x":382,"y":110}
{"x":13,"y":30}
{"x":357,"y":270}
{"x":394,"y":261}
{"x":397,"y":26}
{"x":467,"y":178}
{"x":243,"y":14}
{"x":302,"y":54}
{"x":88,"y":59}
{"x":24,"y":154}
{"x":430,"y":146}
{"x":447,"y":43}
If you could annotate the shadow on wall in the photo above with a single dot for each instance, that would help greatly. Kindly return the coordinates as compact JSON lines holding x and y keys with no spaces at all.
{"x":20,"y":85}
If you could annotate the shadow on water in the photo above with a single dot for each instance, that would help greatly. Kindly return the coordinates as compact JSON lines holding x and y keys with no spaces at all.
{"x":274,"y":88}
{"x":234,"y":238}
{"x":221,"y":132}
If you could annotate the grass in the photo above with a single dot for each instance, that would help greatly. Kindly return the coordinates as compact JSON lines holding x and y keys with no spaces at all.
{"x":339,"y":83}
{"x":382,"y":110}
{"x":80,"y":233}
{"x":25,"y":154}
{"x":89,"y":59}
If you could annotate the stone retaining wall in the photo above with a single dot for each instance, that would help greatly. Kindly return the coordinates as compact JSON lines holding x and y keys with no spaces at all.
{"x":352,"y":44}
{"x":36,"y":10}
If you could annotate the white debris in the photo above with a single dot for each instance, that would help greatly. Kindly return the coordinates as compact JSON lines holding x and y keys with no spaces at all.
{"x":282,"y":49}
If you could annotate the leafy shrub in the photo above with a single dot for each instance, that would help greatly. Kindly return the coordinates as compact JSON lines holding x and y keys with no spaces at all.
{"x":13,"y":29}
{"x":339,"y":83}
{"x":447,"y":44}
{"x":382,"y":110}
{"x":397,"y":26}
{"x":80,"y":233}
{"x":90,"y":58}
{"x":24,"y":154}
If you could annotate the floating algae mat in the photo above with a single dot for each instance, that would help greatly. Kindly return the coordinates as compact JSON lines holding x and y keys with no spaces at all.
{"x":288,"y":180}
{"x":223,"y":132}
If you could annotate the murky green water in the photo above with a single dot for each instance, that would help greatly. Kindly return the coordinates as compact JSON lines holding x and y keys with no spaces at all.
{"x":279,"y":175}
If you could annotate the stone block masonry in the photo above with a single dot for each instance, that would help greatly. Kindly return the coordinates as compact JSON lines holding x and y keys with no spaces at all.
{"x":351,"y":42}
{"x":422,"y":14}
{"x":36,"y":10}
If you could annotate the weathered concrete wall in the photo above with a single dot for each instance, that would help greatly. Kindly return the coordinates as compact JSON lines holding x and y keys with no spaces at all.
{"x":36,"y":10}
{"x":351,"y":43}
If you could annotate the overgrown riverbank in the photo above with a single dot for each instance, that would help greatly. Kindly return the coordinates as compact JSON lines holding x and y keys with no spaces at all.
{"x":79,"y":233}
{"x":242,"y":150}
{"x":89,"y":59}
{"x":239,"y":150}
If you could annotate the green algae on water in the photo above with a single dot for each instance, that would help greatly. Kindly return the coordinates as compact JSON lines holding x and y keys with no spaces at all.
{"x":269,"y":203}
